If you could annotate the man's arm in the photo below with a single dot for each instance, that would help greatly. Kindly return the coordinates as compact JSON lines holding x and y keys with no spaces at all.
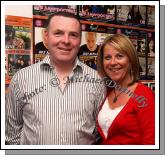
{"x":99,"y":98}
{"x":13,"y":114}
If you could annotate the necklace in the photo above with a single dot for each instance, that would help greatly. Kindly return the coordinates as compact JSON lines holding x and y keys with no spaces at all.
{"x":116,"y":96}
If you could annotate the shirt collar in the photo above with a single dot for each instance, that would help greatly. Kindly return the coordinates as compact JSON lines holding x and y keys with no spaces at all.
{"x":46,"y":62}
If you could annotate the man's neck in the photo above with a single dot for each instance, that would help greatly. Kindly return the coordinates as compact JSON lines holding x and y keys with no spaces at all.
{"x":62,"y":67}
{"x":62,"y":70}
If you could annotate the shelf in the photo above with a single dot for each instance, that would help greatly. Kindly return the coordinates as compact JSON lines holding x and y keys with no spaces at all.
{"x":117,"y":26}
{"x":149,"y":81}
{"x":103,"y":24}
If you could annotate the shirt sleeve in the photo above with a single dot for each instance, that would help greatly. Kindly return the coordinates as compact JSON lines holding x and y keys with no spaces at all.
{"x":146,"y":118}
{"x":100,"y":94}
{"x":13,"y":114}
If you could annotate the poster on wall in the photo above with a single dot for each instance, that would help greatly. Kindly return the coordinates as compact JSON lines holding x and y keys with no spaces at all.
{"x":16,"y":61}
{"x":18,"y":49}
{"x":132,"y":15}
{"x":93,"y":28}
{"x":151,"y":55}
{"x":122,"y":13}
{"x":98,"y":28}
{"x":151,"y":44}
{"x":133,"y":36}
{"x":17,"y":37}
{"x":99,"y":13}
{"x":150,"y":16}
{"x":141,"y":44}
{"x":141,"y":52}
{"x":89,"y":47}
{"x":40,"y":46}
{"x":46,"y":10}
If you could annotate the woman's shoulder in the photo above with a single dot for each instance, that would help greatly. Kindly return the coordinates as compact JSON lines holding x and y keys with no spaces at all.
{"x":144,"y":97}
{"x":144,"y":90}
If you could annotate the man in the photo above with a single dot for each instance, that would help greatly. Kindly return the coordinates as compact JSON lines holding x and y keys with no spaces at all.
{"x":41,"y":47}
{"x":55,"y":101}
{"x":88,"y":51}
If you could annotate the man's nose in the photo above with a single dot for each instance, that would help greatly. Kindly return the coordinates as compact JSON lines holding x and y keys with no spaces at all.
{"x":66,"y":38}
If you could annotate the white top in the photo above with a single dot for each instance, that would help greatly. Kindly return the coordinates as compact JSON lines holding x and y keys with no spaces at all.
{"x":107,"y":115}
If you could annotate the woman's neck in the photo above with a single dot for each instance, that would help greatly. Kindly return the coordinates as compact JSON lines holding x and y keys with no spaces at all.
{"x":125,"y":82}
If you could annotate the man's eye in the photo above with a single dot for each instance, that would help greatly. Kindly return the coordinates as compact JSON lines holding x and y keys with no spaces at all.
{"x":74,"y":34}
{"x":58,"y":33}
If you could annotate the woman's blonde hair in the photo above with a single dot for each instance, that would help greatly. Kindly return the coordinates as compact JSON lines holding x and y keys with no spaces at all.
{"x":121,"y":43}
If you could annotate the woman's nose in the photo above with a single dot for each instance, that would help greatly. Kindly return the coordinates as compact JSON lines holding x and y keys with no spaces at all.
{"x":113,"y":61}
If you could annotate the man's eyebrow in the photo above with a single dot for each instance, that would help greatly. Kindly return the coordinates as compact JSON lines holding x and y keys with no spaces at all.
{"x":58,"y":30}
{"x":74,"y":32}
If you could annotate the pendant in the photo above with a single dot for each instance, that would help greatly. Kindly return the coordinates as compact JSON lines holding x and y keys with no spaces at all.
{"x":115,"y":99}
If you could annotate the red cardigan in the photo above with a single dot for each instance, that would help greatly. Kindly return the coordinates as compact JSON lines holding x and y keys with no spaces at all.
{"x":133,"y":125}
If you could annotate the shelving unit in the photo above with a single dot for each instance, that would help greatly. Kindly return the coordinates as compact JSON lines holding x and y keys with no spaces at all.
{"x":116,"y":26}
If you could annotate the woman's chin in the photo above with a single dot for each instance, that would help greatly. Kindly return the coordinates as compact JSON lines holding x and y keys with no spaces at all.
{"x":115,"y":79}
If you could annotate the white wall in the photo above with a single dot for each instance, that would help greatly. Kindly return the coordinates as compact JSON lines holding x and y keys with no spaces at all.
{"x":19,"y":10}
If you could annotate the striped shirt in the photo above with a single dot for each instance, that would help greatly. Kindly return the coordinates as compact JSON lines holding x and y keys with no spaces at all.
{"x":38,"y":112}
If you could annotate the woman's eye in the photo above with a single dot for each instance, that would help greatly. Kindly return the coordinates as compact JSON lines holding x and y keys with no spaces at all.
{"x":107,"y":57}
{"x":120,"y":56}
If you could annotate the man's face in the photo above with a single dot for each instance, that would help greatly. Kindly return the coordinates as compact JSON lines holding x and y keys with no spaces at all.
{"x":142,"y":45}
{"x":8,"y":36}
{"x":91,"y":41}
{"x":63,"y":38}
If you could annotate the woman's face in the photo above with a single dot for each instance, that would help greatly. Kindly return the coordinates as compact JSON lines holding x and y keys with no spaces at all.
{"x":116,"y":64}
{"x":151,"y":45}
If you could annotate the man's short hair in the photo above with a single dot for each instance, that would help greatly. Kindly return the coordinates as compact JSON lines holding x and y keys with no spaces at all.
{"x":64,"y":14}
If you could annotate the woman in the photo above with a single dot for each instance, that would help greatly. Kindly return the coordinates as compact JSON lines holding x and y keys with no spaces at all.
{"x":127,"y":115}
{"x":151,"y":47}
{"x":134,"y":16}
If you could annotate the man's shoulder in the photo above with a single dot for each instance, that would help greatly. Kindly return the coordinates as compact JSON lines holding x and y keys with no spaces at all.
{"x":34,"y":68}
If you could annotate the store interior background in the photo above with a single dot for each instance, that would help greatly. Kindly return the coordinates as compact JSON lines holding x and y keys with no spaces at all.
{"x":28,"y":23}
